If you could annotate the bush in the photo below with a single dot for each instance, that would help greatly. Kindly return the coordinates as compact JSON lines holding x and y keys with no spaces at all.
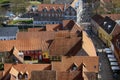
{"x":22,"y":22}
{"x":1,"y":66}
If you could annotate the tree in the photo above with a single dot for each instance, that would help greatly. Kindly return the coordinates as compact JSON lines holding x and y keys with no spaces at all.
{"x":18,"y":6}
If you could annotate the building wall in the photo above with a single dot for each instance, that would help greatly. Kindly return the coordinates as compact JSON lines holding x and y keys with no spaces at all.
{"x":104,"y":36}
{"x":117,"y":54}
{"x":7,"y":37}
{"x":94,"y":27}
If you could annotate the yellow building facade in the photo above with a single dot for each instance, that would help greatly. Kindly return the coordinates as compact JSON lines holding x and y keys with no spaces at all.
{"x":104,"y":36}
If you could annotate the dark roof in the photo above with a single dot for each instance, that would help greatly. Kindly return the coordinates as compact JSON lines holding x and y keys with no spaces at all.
{"x":98,"y":18}
{"x":8,"y":31}
{"x":43,"y":75}
{"x":105,"y":22}
{"x":37,"y":16}
{"x":108,"y":24}
{"x":63,"y":1}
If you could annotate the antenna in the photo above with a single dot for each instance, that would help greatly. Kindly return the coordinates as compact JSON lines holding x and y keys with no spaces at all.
{"x":105,"y":22}
{"x":109,"y":26}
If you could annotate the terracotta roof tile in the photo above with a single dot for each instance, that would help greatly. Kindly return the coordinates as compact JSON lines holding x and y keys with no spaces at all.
{"x":53,"y":27}
{"x":1,"y":74}
{"x":61,"y":46}
{"x":23,"y":45}
{"x":43,"y":75}
{"x":68,"y":24}
{"x":88,"y":45}
{"x":43,"y":35}
{"x":13,"y":71}
{"x":35,"y":29}
{"x":74,"y":75}
{"x":26,"y":68}
{"x":15,"y":52}
{"x":91,"y":63}
{"x":50,"y":6}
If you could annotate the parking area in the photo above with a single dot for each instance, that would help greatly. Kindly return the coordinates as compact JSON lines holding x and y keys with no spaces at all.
{"x":105,"y":70}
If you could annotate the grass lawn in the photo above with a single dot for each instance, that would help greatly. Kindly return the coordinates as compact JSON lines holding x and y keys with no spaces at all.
{"x":116,"y":3}
{"x":4,"y":1}
{"x":30,"y":61}
{"x":34,"y":2}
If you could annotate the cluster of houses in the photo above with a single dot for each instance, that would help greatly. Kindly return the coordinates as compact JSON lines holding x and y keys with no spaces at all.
{"x":60,"y":50}
{"x":107,"y":28}
{"x":77,"y":10}
{"x":56,"y":51}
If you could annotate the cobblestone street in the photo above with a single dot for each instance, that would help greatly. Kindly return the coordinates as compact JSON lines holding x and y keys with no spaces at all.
{"x":105,"y":72}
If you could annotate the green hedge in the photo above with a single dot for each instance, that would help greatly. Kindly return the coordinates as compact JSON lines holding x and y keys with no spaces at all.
{"x":4,"y":1}
{"x":1,"y":66}
{"x":22,"y":21}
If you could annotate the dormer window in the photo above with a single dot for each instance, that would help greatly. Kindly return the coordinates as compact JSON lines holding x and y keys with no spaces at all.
{"x":117,"y":43}
{"x":25,"y":75}
{"x":52,"y":10}
{"x":109,"y":26}
{"x":67,"y":12}
{"x":105,"y":23}
{"x":20,"y":76}
{"x":45,"y":9}
{"x":73,"y":67}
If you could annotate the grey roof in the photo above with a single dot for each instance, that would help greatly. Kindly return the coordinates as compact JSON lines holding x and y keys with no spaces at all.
{"x":63,"y":1}
{"x":8,"y":31}
{"x":108,"y":24}
{"x":37,"y":17}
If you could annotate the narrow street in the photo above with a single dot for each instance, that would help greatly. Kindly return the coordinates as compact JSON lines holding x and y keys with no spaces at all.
{"x":105,"y":72}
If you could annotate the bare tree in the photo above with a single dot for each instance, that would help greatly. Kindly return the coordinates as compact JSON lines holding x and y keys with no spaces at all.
{"x":18,"y":6}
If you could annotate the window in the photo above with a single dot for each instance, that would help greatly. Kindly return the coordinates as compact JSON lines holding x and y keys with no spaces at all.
{"x":67,"y":12}
{"x":44,"y":55}
{"x":44,"y":10}
{"x":52,"y":15}
{"x":73,"y":67}
{"x":20,"y":76}
{"x":25,"y":75}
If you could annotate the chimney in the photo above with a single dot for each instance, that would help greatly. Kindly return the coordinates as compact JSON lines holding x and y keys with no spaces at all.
{"x":65,"y":7}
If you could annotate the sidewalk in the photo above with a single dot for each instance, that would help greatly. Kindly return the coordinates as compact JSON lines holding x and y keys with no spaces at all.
{"x":105,"y":72}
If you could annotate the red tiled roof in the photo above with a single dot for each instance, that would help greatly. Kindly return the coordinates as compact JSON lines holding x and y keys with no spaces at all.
{"x":43,"y":35}
{"x":35,"y":29}
{"x":115,"y":42}
{"x":74,"y":75}
{"x":15,"y":52}
{"x":50,"y":6}
{"x":68,"y":24}
{"x":25,"y":68}
{"x":1,"y":74}
{"x":43,"y":75}
{"x":23,"y":45}
{"x":88,"y":45}
{"x":61,"y":46}
{"x":91,"y":63}
{"x":53,"y":27}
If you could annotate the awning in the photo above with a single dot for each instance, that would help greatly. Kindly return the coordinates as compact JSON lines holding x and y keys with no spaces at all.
{"x":115,"y":67}
{"x":112,"y":59}
{"x":114,"y":63}
{"x":109,"y":52}
{"x":110,"y":56}
{"x":106,"y":49}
